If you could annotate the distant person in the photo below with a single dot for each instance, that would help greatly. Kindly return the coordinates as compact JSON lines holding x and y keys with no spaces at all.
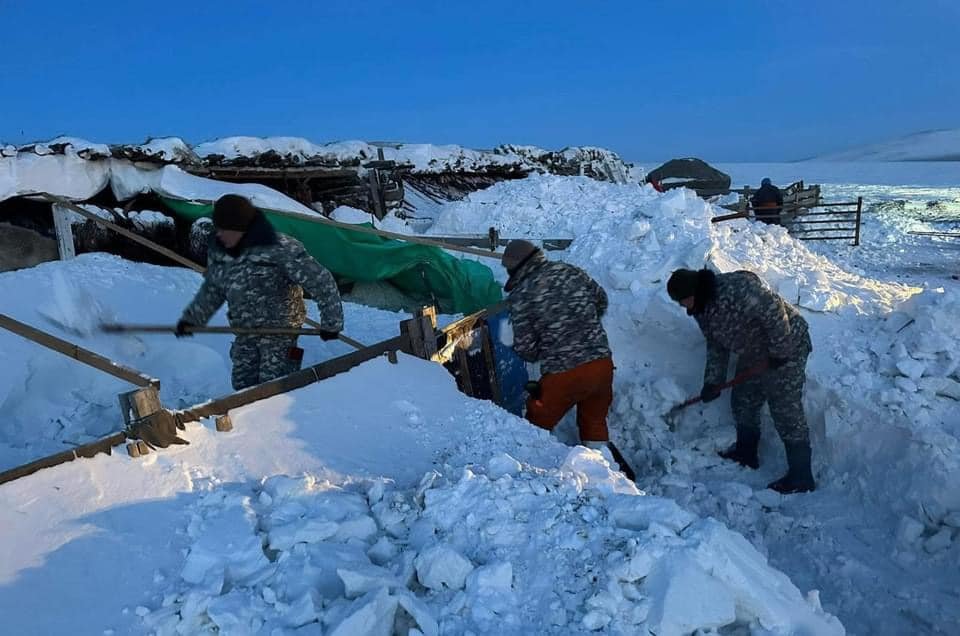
{"x":556,"y":309}
{"x":738,"y":313}
{"x":261,"y":276}
{"x":767,"y":203}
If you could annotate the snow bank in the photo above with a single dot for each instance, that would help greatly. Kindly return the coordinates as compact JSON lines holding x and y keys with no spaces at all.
{"x":466,"y":554}
{"x":451,"y":515}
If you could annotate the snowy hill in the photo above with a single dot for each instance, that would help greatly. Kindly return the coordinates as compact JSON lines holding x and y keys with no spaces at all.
{"x":930,"y":145}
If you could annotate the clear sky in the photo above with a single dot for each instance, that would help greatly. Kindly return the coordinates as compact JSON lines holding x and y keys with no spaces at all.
{"x":727,"y":80}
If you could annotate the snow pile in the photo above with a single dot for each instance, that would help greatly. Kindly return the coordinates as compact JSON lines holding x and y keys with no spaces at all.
{"x":905,"y":385}
{"x":632,"y":237}
{"x":466,"y":555}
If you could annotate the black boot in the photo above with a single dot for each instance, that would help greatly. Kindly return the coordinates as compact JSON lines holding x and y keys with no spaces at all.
{"x":744,"y":451}
{"x":799,"y":478}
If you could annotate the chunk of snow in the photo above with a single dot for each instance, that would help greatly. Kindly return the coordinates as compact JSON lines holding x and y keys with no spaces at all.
{"x":442,"y":567}
{"x":502,"y":464}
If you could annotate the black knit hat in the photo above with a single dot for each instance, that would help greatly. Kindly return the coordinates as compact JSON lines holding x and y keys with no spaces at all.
{"x":233,"y":212}
{"x":683,"y":284}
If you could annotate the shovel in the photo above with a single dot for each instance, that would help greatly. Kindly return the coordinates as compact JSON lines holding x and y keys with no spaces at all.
{"x":240,"y":331}
{"x":740,"y":378}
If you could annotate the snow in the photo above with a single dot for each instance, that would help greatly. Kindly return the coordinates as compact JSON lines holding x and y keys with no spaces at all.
{"x":367,"y":504}
{"x":881,"y":452}
{"x":349,"y":513}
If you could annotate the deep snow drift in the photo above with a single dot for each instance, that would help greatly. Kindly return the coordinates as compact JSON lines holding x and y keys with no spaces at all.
{"x":879,"y":395}
{"x":346,"y":508}
{"x":366,"y":500}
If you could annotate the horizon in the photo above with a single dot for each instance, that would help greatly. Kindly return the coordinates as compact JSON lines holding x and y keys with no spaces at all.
{"x":642,"y":80}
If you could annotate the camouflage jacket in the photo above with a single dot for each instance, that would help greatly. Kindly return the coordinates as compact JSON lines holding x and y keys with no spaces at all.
{"x":744,"y":316}
{"x":555,"y":309}
{"x":262,"y":281}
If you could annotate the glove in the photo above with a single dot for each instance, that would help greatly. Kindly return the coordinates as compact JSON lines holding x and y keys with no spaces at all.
{"x":327,"y":336}
{"x":775,"y":363}
{"x":709,"y":393}
{"x":533,"y":388}
{"x":181,"y":329}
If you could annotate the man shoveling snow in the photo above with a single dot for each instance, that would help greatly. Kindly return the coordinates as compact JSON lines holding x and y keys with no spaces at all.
{"x":556,"y":309}
{"x":261,"y":275}
{"x":738,"y":313}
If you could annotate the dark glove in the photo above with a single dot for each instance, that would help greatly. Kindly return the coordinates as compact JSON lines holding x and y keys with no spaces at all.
{"x":533,"y":388}
{"x":327,"y":336}
{"x":709,"y":393}
{"x":776,"y":363}
{"x":181,"y":329}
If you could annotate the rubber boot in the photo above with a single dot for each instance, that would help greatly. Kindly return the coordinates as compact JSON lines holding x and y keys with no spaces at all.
{"x":744,"y":451}
{"x":799,"y":478}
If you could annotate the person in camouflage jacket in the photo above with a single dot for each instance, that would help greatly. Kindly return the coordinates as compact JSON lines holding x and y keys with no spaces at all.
{"x":555,"y":309}
{"x":261,"y":275}
{"x":738,"y":313}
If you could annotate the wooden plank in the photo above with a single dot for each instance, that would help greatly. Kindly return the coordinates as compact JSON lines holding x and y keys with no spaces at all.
{"x":856,"y":241}
{"x":296,"y":380}
{"x":64,"y":231}
{"x":102,"y":445}
{"x":240,"y":331}
{"x":79,"y":354}
{"x":133,"y":236}
{"x":825,"y":238}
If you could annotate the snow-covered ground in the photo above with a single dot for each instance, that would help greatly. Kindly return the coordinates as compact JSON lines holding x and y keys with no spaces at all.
{"x":384,"y":497}
{"x":376,"y":498}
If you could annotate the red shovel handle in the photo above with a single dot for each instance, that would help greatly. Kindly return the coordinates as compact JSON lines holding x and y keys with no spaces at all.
{"x":740,"y":378}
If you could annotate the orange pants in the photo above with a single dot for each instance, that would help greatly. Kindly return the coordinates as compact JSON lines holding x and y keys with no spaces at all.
{"x":589,"y":387}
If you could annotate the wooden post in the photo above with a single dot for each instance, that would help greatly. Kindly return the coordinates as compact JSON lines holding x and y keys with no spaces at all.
{"x":856,"y":236}
{"x":136,"y":407}
{"x":421,"y":330}
{"x":64,"y":231}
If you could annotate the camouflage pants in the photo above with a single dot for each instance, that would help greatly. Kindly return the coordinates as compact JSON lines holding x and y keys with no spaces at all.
{"x":782,"y":389}
{"x":258,"y":359}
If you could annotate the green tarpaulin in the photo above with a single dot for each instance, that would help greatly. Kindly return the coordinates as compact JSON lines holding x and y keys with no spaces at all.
{"x":421,"y":271}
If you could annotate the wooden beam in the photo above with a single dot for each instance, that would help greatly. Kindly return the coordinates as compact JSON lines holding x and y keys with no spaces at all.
{"x":161,"y":250}
{"x":296,"y":380}
{"x":133,"y":236}
{"x":102,"y":445}
{"x":78,"y":353}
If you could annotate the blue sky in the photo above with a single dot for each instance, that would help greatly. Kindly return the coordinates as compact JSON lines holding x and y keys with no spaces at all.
{"x":727,"y":80}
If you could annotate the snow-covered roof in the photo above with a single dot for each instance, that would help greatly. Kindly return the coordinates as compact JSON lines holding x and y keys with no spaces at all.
{"x":297,"y":151}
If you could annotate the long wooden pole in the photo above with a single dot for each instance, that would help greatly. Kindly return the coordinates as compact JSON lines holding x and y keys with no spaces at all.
{"x":240,"y":331}
{"x":79,"y":354}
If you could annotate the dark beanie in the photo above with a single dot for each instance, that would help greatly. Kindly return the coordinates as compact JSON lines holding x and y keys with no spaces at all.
{"x":233,"y":212}
{"x":516,"y":253}
{"x":683,"y":284}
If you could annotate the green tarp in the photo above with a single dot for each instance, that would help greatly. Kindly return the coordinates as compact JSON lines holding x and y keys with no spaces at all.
{"x":421,"y":271}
